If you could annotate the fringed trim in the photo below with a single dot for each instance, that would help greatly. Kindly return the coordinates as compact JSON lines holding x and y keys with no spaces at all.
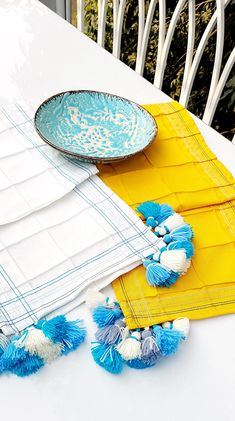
{"x":116,"y":345}
{"x":40,"y":344}
{"x":174,"y":249}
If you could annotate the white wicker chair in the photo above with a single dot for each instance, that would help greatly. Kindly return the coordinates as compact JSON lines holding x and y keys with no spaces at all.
{"x":218,"y":78}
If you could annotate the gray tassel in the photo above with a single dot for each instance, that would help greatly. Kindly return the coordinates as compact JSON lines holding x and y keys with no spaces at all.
{"x":113,"y":333}
{"x":149,"y":347}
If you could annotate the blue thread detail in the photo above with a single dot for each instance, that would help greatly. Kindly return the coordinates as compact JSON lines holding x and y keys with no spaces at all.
{"x":19,"y":297}
{"x":107,"y":357}
{"x":84,"y":166}
{"x":74,"y":181}
{"x":133,"y":337}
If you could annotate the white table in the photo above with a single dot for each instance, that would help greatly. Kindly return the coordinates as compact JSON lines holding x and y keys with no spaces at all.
{"x":40,"y":55}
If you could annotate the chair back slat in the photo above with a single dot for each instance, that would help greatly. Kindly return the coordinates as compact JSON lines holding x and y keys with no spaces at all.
{"x":165,"y":37}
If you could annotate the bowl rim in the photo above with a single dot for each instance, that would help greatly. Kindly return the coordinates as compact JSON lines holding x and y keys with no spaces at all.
{"x":89,"y":158}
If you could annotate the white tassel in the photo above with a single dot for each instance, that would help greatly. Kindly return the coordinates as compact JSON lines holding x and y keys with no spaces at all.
{"x":95,"y":298}
{"x":186,"y":266}
{"x":174,"y":260}
{"x":130,"y":348}
{"x":36,"y":343}
{"x":181,"y":324}
{"x":172,"y":222}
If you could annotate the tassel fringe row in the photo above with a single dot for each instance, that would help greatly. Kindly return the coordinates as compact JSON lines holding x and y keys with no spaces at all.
{"x":174,"y":251}
{"x":38,"y":345}
{"x":116,"y":345}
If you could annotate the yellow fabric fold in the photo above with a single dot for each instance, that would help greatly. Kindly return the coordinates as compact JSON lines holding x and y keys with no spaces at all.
{"x":179,"y":169}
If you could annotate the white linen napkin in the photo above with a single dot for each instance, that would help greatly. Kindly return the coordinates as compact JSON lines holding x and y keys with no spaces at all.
{"x":32,"y":174}
{"x":49,"y":258}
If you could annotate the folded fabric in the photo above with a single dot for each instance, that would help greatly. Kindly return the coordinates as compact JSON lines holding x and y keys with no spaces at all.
{"x":49,"y":258}
{"x":180,"y":170}
{"x":32,"y":174}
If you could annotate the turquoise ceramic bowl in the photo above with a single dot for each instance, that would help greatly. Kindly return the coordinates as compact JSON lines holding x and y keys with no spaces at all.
{"x":94,"y":126}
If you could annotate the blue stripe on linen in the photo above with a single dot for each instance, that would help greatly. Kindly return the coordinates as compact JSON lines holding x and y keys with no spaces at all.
{"x":115,"y":227}
{"x":75,"y":269}
{"x":66,"y":174}
{"x":79,"y":164}
{"x":83,"y":284}
{"x":29,"y":312}
{"x":123,"y":241}
{"x":109,"y":197}
{"x":16,"y":291}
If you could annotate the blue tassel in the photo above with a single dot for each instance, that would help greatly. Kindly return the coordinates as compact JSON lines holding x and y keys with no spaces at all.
{"x":60,"y":330}
{"x":154,"y":213}
{"x":8,"y":357}
{"x":179,"y":234}
{"x":167,"y":340}
{"x":156,"y":274}
{"x":18,"y":361}
{"x":104,"y":316}
{"x":140,"y":364}
{"x":149,"y":209}
{"x":112,"y":333}
{"x":186,"y":245}
{"x":165,"y":212}
{"x":27,"y":365}
{"x":172,"y":279}
{"x":108,"y":357}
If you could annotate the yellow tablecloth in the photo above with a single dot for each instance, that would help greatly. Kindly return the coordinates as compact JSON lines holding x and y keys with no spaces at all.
{"x":179,"y":169}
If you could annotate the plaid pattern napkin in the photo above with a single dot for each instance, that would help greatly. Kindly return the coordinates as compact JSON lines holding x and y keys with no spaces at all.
{"x":32,"y":174}
{"x":49,"y":258}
